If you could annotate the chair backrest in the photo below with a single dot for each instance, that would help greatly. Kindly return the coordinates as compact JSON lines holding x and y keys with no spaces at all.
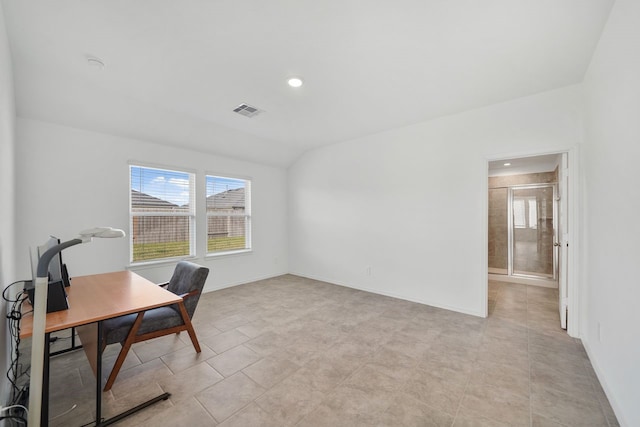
{"x":188,"y":277}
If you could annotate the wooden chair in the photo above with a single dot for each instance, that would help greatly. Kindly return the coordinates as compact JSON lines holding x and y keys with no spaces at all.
{"x":187,"y":281}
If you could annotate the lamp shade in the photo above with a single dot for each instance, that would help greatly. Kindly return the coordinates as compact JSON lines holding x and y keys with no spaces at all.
{"x":102,"y":232}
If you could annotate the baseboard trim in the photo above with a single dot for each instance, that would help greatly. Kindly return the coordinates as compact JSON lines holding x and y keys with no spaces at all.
{"x":544,"y":283}
{"x":389,"y":294}
{"x":605,"y":386}
{"x":241,"y":282}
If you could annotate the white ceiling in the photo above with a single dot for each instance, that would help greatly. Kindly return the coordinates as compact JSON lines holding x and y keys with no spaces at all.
{"x":176,"y":69}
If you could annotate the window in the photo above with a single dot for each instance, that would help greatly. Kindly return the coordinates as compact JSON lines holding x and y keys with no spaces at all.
{"x":525,"y":212}
{"x":228,"y":214}
{"x":519,"y":217}
{"x":162,"y":214}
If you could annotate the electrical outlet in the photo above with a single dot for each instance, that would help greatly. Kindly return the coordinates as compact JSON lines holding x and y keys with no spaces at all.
{"x":368,"y":270}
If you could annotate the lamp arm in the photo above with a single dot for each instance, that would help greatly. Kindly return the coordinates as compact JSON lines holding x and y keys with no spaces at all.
{"x":45,"y":258}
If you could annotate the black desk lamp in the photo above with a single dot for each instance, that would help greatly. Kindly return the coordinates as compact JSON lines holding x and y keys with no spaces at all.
{"x":41,"y":287}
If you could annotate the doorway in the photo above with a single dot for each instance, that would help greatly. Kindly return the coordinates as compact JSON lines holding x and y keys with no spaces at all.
{"x":528,"y":223}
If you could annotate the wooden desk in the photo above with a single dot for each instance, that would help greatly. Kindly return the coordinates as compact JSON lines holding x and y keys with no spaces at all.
{"x":93,"y":299}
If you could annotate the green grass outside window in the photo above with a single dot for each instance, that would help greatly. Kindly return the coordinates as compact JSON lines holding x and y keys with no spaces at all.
{"x":151,"y":251}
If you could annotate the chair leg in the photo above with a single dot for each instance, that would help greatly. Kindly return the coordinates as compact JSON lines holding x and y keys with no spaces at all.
{"x":189,"y":326}
{"x":123,"y":351}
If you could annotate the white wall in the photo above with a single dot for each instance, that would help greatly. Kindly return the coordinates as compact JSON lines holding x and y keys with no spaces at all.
{"x":411,"y":203}
{"x":612,"y":265}
{"x":7,"y":190}
{"x":70,"y":179}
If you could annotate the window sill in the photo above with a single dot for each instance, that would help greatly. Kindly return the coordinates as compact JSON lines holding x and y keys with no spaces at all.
{"x":166,"y":261}
{"x":159,"y":262}
{"x":228,"y":253}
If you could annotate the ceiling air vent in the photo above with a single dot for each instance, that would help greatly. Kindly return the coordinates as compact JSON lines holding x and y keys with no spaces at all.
{"x":247,"y":110}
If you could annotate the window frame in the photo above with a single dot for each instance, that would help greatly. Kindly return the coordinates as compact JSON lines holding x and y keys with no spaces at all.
{"x":191,"y":213}
{"x":248,"y":246}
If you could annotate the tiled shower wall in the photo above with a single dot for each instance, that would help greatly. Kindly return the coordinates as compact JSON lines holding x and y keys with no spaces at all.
{"x":498,"y":220}
{"x":498,"y":228}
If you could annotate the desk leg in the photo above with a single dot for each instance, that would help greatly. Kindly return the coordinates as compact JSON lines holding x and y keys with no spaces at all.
{"x":99,"y":376}
{"x":44,"y":414}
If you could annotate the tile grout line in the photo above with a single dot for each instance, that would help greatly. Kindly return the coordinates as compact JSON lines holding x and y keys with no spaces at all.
{"x":466,"y":386}
{"x":266,"y":390}
{"x":403,"y":386}
{"x":592,"y":381}
{"x":248,"y":403}
{"x":597,"y":396}
{"x":205,"y":409}
{"x":195,"y":396}
{"x":299,"y":368}
{"x":331,"y":392}
{"x":529,"y":357}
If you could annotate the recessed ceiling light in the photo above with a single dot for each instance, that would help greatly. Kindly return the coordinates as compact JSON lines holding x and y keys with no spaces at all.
{"x":295,"y":82}
{"x":507,"y":164}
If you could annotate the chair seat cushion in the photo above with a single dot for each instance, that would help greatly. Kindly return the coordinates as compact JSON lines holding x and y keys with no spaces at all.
{"x":116,"y":330}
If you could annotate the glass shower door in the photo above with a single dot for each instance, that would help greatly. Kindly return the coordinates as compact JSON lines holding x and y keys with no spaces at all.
{"x":533,"y":230}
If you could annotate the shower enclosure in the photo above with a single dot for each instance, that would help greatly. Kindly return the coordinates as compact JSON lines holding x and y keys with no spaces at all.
{"x":522,"y":230}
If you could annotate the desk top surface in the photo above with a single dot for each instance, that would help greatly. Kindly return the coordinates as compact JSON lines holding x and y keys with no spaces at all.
{"x":102,"y":296}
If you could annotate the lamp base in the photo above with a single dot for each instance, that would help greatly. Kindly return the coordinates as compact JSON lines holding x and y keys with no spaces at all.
{"x":56,"y":296}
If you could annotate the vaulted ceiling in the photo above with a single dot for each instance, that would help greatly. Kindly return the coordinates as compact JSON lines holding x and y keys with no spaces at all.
{"x":175,"y":70}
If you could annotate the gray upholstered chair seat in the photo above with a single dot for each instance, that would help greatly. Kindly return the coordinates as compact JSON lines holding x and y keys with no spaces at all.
{"x":116,"y":330}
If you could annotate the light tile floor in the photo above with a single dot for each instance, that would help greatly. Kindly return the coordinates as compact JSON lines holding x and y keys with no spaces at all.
{"x":291,"y":351}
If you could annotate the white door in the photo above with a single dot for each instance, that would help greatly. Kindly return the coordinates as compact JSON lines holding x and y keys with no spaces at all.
{"x":562,"y":245}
